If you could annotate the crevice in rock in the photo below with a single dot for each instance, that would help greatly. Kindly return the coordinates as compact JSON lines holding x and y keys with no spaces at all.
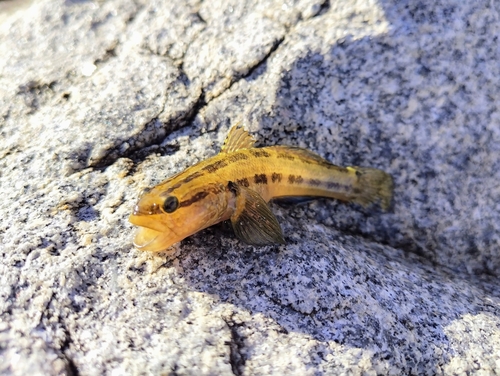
{"x":71,"y":367}
{"x":135,"y":153}
{"x":325,"y":7}
{"x":237,"y":343}
{"x":109,"y":53}
{"x":202,"y":20}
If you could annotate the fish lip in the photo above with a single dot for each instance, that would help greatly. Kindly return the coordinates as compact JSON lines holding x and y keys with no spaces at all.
{"x":147,"y":221}
{"x":147,"y":239}
{"x":151,"y":234}
{"x":142,"y":245}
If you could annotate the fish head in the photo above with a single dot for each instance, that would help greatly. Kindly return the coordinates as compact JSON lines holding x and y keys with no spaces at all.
{"x":167,"y":216}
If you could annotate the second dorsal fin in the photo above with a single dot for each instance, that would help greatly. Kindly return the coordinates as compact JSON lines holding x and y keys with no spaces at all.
{"x":237,"y":138}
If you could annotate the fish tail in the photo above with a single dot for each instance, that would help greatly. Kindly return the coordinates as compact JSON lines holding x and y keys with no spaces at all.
{"x":374,"y":186}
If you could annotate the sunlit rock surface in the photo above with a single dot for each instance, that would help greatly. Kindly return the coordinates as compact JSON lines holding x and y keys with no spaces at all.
{"x":101,"y":99}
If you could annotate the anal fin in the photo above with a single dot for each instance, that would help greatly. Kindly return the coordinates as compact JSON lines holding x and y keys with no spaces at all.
{"x":253,"y":221}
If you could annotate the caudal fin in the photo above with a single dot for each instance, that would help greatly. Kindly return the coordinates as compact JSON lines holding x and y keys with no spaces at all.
{"x":375,"y":186}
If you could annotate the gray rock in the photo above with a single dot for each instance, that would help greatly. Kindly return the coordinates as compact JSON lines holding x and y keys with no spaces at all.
{"x":101,"y":99}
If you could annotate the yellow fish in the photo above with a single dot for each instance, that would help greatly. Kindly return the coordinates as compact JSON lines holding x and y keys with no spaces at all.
{"x":238,"y":183}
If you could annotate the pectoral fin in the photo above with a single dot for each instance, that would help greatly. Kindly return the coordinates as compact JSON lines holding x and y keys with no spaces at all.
{"x":253,"y":222}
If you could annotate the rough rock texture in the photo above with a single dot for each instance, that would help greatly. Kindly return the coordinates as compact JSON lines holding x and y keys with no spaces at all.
{"x":101,"y":99}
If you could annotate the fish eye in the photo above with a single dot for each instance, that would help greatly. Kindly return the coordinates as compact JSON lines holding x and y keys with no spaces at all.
{"x":170,"y":204}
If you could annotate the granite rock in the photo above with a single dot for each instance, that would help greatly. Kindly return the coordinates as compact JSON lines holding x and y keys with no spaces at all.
{"x":101,"y":99}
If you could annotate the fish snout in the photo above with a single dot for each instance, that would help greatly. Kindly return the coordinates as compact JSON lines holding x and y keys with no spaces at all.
{"x":147,"y":239}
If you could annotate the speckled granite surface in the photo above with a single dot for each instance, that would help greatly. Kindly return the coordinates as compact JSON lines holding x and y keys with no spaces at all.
{"x":101,"y":99}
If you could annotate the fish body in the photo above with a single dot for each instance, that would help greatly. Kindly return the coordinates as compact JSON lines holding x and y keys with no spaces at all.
{"x":238,"y":183}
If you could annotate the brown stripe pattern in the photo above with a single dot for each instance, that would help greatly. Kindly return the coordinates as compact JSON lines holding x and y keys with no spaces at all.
{"x":295,"y":179}
{"x":286,"y":156}
{"x":288,"y":153}
{"x":236,"y":157}
{"x":258,"y":153}
{"x":260,"y":179}
{"x":244,"y":182}
{"x":197,"y":197}
{"x":275,"y":177}
{"x":215,"y":166}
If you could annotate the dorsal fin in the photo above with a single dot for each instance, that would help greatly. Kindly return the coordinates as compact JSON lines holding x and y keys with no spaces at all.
{"x":237,"y":138}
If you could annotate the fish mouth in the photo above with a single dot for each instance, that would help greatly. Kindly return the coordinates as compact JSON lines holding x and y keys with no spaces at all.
{"x":147,"y":239}
{"x":152,"y":235}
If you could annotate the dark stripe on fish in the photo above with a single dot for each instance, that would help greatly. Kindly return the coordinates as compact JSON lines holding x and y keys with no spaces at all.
{"x":244,"y":182}
{"x":295,"y":179}
{"x":229,"y":160}
{"x":285,"y":156}
{"x":315,"y":182}
{"x":172,"y":188}
{"x":338,"y":186}
{"x":307,"y":157}
{"x":260,"y":179}
{"x":215,"y":166}
{"x":191,"y":177}
{"x":180,"y":183}
{"x":197,"y":197}
{"x":236,"y":157}
{"x":259,"y":153}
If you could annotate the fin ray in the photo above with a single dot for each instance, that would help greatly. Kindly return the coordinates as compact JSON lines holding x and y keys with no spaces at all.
{"x":253,"y":221}
{"x":238,"y":138}
{"x":376,"y":186}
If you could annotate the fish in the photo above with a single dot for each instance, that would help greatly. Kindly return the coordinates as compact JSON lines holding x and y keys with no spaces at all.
{"x":238,"y":183}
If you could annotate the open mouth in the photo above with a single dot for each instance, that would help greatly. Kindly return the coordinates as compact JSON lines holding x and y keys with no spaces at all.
{"x":147,"y":239}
